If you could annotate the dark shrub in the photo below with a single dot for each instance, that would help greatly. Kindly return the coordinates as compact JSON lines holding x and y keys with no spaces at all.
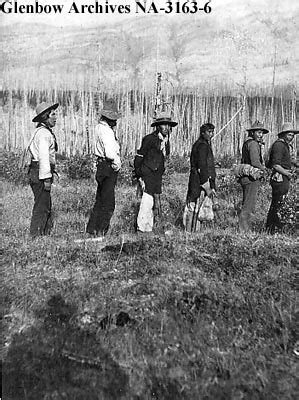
{"x":80,"y":167}
{"x":9,"y":168}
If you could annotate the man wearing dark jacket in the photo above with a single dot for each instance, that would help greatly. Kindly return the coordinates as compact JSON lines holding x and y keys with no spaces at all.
{"x":281,"y":164}
{"x":149,"y":169}
{"x":202,"y":176}
{"x":251,"y":155}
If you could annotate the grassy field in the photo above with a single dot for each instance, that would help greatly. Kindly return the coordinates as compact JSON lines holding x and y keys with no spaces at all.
{"x":207,"y":316}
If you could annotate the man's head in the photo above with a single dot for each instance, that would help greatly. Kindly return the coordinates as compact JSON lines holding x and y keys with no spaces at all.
{"x":257,"y":135}
{"x":164,"y":129}
{"x":257,"y":131}
{"x":207,"y":131}
{"x":287,"y":132}
{"x":46,"y":114}
{"x":110,"y":112}
{"x":164,"y":123}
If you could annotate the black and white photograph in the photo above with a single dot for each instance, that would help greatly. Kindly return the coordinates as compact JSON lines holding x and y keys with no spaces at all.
{"x":149,"y":159}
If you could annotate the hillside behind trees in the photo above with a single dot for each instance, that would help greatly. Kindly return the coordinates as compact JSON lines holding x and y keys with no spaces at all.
{"x":243,"y":47}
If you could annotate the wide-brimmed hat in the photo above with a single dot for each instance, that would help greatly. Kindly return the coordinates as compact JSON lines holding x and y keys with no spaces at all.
{"x":288,"y":127}
{"x":110,"y":110}
{"x":164,"y":118}
{"x":42,"y":108}
{"x":258,"y":126}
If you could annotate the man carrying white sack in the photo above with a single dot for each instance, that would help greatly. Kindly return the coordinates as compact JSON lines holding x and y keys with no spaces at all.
{"x":201,"y":179}
{"x":149,"y":164}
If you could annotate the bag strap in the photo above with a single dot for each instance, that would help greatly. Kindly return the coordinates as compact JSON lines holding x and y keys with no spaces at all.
{"x":33,"y":137}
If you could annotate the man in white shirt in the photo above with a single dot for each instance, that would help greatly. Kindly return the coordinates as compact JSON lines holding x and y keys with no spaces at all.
{"x":43,"y":147}
{"x":108,"y":164}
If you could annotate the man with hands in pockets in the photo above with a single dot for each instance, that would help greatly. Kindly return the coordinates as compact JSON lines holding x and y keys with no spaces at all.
{"x":107,"y":151}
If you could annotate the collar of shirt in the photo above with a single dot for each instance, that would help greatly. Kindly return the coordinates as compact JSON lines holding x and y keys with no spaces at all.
{"x":203,"y":140}
{"x":42,"y":125}
{"x":105,"y":123}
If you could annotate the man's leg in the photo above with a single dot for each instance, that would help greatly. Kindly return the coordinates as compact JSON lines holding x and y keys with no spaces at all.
{"x":104,"y":205}
{"x":279,"y":190}
{"x":92,"y":226}
{"x":190,"y":220}
{"x":41,"y":213}
{"x":249,"y":201}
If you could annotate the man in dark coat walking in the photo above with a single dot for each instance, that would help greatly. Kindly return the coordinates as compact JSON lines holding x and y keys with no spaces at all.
{"x":202,"y":176}
{"x":281,"y":164}
{"x":149,"y":169}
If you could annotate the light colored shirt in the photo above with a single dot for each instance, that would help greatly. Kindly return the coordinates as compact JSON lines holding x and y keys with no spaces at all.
{"x":107,"y":145}
{"x":42,"y":149}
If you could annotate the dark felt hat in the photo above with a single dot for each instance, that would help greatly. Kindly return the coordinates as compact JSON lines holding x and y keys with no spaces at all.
{"x":258,"y":126}
{"x":288,"y":127}
{"x":110,"y":110}
{"x":164,"y":118}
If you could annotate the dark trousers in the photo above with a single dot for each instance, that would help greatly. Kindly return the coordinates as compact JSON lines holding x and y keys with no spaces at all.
{"x":104,"y":206}
{"x":250,"y":190}
{"x":41,"y":220}
{"x":279,"y":190}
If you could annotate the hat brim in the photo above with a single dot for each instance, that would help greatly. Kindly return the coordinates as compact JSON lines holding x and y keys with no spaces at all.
{"x":164,"y":122}
{"x":258,"y":129}
{"x":288,"y":131}
{"x":110,"y":115}
{"x":37,"y":117}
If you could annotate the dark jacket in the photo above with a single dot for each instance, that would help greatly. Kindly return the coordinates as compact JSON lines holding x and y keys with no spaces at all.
{"x":202,"y":168}
{"x":280,"y":154}
{"x":149,"y":163}
{"x":252,"y":153}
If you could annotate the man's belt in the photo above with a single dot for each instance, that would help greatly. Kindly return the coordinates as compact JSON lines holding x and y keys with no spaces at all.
{"x":103,"y":159}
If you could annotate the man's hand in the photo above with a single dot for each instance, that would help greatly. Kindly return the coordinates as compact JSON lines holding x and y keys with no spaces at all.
{"x":157,"y":205}
{"x":47,"y":184}
{"x":116,"y":165}
{"x":141,"y":184}
{"x":207,"y":188}
{"x":289,"y":174}
{"x":213,"y":193}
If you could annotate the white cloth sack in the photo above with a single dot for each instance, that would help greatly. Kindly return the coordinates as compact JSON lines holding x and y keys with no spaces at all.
{"x":145,"y":218}
{"x":206,"y":212}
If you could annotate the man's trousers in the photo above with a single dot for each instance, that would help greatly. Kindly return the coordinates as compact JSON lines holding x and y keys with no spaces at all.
{"x":104,"y":206}
{"x":279,"y":190}
{"x":41,"y":220}
{"x":250,"y":190}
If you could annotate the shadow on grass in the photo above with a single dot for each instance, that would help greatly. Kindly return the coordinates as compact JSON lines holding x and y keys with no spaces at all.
{"x":57,"y":359}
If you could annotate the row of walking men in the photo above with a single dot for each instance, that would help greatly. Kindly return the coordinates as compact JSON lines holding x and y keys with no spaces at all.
{"x":149,"y":167}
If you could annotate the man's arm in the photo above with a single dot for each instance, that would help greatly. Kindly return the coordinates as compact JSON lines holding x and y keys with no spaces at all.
{"x":110,"y":146}
{"x":202,"y":161}
{"x":138,"y":160}
{"x":43,"y":144}
{"x":254,"y":154}
{"x":277,"y":154}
